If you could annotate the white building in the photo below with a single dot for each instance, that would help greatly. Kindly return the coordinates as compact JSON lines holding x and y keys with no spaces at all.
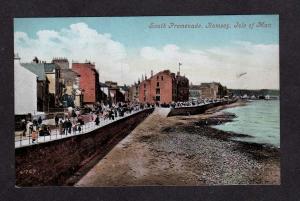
{"x":25,"y":89}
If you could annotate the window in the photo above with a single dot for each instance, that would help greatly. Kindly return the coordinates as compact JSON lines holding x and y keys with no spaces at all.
{"x":157,"y":77}
{"x":157,"y":98}
{"x":157,"y":91}
{"x":157,"y":84}
{"x":144,"y":85}
{"x":162,"y":77}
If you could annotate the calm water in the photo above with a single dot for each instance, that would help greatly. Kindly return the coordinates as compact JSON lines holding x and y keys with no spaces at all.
{"x":259,"y":119}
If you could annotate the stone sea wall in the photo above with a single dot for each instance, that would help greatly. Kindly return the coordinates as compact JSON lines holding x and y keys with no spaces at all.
{"x":54,"y":162}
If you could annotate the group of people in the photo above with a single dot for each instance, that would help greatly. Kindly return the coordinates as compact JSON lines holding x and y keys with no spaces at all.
{"x":34,"y":128}
{"x":194,"y":102}
{"x":74,"y":120}
{"x":68,"y":125}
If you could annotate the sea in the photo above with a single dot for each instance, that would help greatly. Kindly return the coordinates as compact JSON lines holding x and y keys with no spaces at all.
{"x":260,"y":119}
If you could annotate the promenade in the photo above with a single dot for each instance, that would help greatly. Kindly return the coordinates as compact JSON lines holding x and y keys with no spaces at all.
{"x":21,"y":141}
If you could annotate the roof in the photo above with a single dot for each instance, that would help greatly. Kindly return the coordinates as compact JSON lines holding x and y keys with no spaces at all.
{"x":102,"y":84}
{"x":36,"y":68}
{"x":195,"y":87}
{"x":209,"y":83}
{"x":50,"y":67}
{"x":70,"y":71}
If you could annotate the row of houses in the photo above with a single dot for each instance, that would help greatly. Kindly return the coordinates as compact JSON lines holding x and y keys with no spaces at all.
{"x":47,"y":87}
{"x":44,"y":87}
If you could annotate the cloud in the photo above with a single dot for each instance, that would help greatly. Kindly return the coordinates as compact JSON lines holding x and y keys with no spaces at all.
{"x":260,"y":61}
{"x":115,"y":62}
{"x":78,"y":42}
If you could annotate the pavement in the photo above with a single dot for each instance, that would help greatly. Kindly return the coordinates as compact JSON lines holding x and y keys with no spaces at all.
{"x":21,"y":141}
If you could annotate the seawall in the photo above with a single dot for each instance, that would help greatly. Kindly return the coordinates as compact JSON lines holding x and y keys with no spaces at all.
{"x":191,"y":110}
{"x":55,"y":162}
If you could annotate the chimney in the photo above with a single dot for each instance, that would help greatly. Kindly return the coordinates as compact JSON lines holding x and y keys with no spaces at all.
{"x":178,"y":73}
{"x":151,"y":73}
{"x":142,"y":77}
{"x":145,"y":77}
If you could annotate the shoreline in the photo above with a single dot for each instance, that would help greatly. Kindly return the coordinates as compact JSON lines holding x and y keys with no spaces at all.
{"x":218,"y":116}
{"x":174,"y":151}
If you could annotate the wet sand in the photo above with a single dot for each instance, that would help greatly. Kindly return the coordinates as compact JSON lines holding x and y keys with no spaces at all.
{"x":185,"y":151}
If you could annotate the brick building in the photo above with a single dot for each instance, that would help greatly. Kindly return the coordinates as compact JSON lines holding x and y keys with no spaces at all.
{"x":164,"y":87}
{"x":89,"y":81}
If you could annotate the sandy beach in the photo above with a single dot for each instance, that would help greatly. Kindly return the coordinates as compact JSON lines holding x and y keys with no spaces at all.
{"x":185,"y":150}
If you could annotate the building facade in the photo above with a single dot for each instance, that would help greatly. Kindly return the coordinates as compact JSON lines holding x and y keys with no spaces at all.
{"x":212,"y":90}
{"x":71,"y":93}
{"x":71,"y":89}
{"x":37,"y":67}
{"x":53,"y":74}
{"x":25,"y":91}
{"x":89,"y":81}
{"x":194,"y":92}
{"x":134,"y":92}
{"x":163,"y":87}
{"x":114,"y":93}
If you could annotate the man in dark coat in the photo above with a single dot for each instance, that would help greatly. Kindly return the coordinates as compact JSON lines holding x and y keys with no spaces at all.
{"x":97,"y":121}
{"x":69,"y":126}
{"x":56,"y":120}
{"x":40,"y":120}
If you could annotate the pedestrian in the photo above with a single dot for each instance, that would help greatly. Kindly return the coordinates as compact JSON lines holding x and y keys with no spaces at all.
{"x":28,"y":128}
{"x":115,"y":112}
{"x":69,"y":126}
{"x":40,"y":120}
{"x":111,"y":115}
{"x":34,"y":133}
{"x":23,"y":127}
{"x":74,"y":114}
{"x":65,"y":128}
{"x":79,"y":126}
{"x":49,"y":130}
{"x":56,"y":121}
{"x":74,"y":127}
{"x":60,"y":127}
{"x":97,"y":121}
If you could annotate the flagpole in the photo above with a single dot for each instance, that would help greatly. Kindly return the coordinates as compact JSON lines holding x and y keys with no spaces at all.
{"x":179,"y":64}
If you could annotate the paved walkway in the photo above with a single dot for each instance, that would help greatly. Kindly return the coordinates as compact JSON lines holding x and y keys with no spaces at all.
{"x":21,"y":141}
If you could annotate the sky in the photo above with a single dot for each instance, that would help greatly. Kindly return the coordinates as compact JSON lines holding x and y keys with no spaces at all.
{"x":210,"y":48}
